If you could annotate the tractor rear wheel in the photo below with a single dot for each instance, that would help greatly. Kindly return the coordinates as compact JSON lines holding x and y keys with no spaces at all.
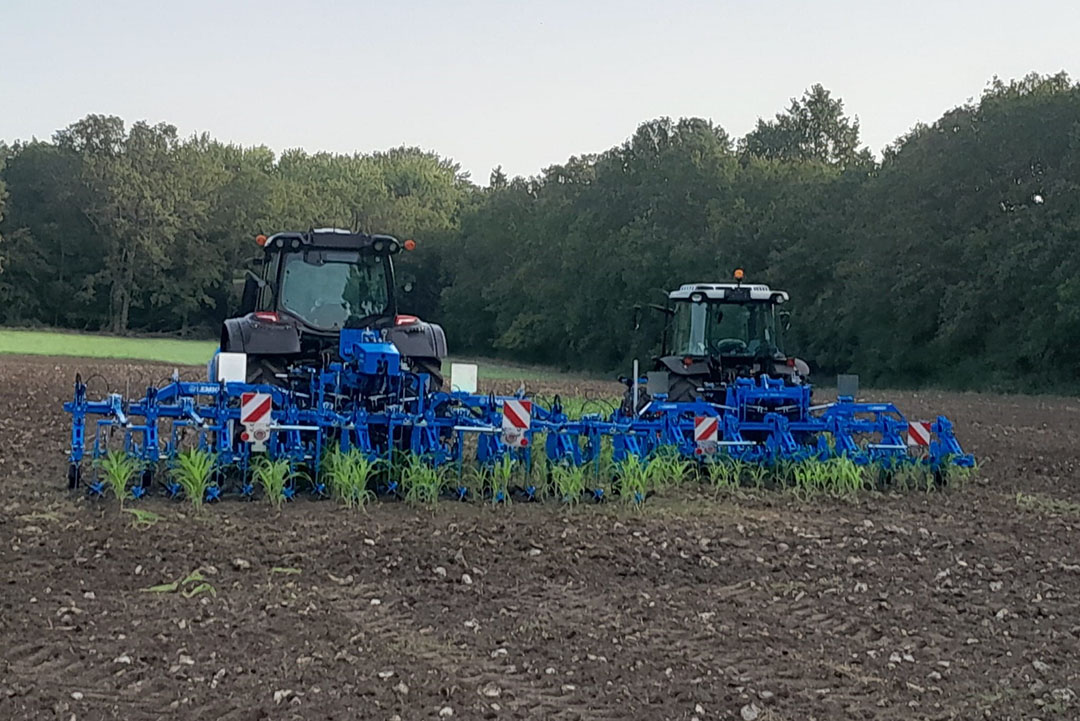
{"x":431,"y":366}
{"x":683,"y":389}
{"x":267,"y":371}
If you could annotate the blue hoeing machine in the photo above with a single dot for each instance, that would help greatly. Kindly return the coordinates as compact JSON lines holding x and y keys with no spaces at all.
{"x":720,"y":392}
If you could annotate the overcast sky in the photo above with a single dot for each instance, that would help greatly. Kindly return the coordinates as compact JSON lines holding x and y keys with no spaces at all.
{"x":521,"y":84}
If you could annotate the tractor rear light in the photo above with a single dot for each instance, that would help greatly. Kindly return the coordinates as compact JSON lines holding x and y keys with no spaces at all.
{"x":405,"y":319}
{"x":790,"y":362}
{"x":267,"y":316}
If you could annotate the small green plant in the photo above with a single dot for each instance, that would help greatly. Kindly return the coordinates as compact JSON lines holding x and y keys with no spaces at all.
{"x":421,"y":482}
{"x":569,"y":481}
{"x":119,"y":468}
{"x":954,"y":475}
{"x":349,"y":475}
{"x":847,"y":475}
{"x":755,"y":473}
{"x":666,"y":469}
{"x":634,"y":479}
{"x":190,"y":586}
{"x":539,"y":473}
{"x":194,"y":470}
{"x":1041,"y":503}
{"x":273,"y":476}
{"x":722,"y":473}
{"x":499,"y":477}
{"x":141,"y":519}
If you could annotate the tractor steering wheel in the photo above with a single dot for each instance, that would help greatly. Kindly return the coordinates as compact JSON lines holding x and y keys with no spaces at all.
{"x":729,"y":345}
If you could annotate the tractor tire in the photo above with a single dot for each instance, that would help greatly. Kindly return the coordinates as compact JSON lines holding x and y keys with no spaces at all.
{"x":683,"y":389}
{"x":626,"y":407}
{"x":266,"y":371}
{"x":431,"y":366}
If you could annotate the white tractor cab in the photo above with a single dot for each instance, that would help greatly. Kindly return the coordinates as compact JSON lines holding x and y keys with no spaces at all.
{"x":717,"y":332}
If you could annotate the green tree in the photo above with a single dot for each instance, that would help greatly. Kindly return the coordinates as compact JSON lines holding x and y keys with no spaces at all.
{"x":813,"y":127}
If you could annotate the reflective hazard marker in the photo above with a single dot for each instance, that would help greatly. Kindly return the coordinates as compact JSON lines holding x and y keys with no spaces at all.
{"x":255,"y":417}
{"x":918,"y":434}
{"x":706,"y":434}
{"x":516,"y":421}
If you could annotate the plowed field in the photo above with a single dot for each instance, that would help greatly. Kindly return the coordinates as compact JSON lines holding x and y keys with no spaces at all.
{"x":961,"y":604}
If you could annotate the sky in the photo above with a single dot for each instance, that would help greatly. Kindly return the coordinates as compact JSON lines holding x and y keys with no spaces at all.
{"x":514,"y":83}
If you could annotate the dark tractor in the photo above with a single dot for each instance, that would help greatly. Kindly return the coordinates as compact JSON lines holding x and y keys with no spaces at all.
{"x":311,"y":286}
{"x":717,"y":332}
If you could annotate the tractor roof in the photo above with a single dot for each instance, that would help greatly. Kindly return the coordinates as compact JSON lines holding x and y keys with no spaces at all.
{"x":331,"y":238}
{"x":721,"y":291}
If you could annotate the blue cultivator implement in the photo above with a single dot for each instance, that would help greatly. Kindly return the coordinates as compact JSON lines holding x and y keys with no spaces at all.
{"x":321,"y":363}
{"x":368,"y":403}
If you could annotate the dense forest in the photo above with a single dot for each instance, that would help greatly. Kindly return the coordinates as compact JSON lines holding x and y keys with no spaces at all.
{"x":952,"y":260}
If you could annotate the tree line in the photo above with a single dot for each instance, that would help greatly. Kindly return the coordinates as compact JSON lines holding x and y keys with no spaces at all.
{"x":951,"y":260}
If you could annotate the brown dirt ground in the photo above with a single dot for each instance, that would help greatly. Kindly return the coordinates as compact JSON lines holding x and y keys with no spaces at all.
{"x":954,"y":605}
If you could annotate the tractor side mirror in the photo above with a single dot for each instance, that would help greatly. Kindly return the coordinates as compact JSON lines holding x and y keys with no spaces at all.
{"x":407,"y":287}
{"x":662,"y":309}
{"x":785,"y":320}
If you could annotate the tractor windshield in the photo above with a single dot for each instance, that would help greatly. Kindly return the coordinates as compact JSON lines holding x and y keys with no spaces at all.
{"x":328,"y":288}
{"x":725,"y":329}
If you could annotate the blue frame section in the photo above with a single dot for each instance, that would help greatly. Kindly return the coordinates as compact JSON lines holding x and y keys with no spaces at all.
{"x":368,"y":402}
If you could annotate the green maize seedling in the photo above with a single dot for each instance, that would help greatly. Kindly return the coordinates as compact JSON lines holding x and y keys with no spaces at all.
{"x":665,"y":470}
{"x":193,"y":470}
{"x":349,"y":475}
{"x":634,"y":479}
{"x":421,"y":482}
{"x":273,"y":476}
{"x":569,"y":482}
{"x":499,"y":477}
{"x":722,"y":473}
{"x":119,"y":468}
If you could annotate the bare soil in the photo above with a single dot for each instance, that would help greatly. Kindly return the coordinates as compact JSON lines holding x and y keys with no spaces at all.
{"x":959,"y":604}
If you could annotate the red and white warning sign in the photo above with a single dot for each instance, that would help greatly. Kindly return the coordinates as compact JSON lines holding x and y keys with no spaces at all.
{"x":706,"y":429}
{"x":706,"y":433}
{"x":516,"y":420}
{"x":918,"y":434}
{"x":255,"y":408}
{"x":255,"y":416}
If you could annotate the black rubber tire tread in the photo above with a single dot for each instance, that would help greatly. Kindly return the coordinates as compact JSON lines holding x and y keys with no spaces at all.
{"x":431,"y":366}
{"x":682,"y":389}
{"x":265,"y":371}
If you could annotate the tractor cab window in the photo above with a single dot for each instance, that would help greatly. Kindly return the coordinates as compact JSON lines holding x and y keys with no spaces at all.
{"x":328,"y":288}
{"x":724,"y":329}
